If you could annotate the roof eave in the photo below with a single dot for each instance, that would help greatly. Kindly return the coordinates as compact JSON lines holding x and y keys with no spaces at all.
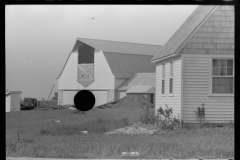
{"x":163,"y":58}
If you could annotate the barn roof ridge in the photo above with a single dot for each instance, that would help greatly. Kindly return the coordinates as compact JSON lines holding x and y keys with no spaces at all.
{"x":123,"y":60}
{"x":122,"y":47}
{"x":120,"y":41}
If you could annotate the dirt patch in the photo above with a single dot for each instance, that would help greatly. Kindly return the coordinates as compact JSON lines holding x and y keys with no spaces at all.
{"x":129,"y":101}
{"x":135,"y":129}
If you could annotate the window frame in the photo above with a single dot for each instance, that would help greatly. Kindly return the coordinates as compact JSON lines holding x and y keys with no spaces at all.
{"x":171,"y":77}
{"x":163,"y":91}
{"x":210,"y":93}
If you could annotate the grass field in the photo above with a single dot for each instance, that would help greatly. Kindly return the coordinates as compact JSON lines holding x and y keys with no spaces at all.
{"x":40,"y":138}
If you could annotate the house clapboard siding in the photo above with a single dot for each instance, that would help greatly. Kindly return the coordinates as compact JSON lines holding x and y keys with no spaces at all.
{"x":207,"y":35}
{"x":172,"y":100}
{"x":196,"y":85}
{"x":215,"y":37}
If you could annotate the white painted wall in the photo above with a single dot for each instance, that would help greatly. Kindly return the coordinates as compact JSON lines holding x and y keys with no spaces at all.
{"x":13,"y":102}
{"x":196,"y":77}
{"x":60,"y":97}
{"x":8,"y":103}
{"x":121,"y":94}
{"x":119,"y":81}
{"x":100,"y":97}
{"x":172,"y":100}
{"x":103,"y":77}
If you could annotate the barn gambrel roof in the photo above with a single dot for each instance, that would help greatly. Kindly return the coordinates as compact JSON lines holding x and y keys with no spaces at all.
{"x":124,"y":58}
{"x":185,"y":31}
{"x":139,"y":79}
{"x":122,"y":47}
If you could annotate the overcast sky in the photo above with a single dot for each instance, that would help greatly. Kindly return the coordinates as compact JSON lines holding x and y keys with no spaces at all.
{"x":39,"y":37}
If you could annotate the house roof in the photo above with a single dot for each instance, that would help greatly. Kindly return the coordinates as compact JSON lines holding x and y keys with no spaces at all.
{"x":139,"y":79}
{"x":124,"y":58}
{"x":141,"y":89}
{"x":126,"y":65}
{"x":186,"y":29}
{"x":122,"y":47}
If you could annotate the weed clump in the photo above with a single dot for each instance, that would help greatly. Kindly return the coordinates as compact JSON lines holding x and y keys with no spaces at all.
{"x":148,"y":117}
{"x":200,"y":113}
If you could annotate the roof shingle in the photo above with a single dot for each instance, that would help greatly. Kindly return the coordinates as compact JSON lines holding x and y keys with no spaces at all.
{"x":181,"y":35}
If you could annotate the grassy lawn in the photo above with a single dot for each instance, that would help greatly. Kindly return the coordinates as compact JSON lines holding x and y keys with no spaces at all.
{"x":40,"y":138}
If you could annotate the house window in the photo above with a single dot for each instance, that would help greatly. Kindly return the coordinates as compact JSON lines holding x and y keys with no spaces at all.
{"x":222,"y":76}
{"x":171,"y":78}
{"x":163,"y":78}
{"x":151,"y":98}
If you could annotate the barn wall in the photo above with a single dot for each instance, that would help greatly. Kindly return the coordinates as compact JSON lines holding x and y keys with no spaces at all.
{"x":103,"y":77}
{"x":120,"y":94}
{"x":172,"y":100}
{"x":111,"y":95}
{"x":119,"y":81}
{"x":8,"y":103}
{"x":100,"y":97}
{"x":60,"y":97}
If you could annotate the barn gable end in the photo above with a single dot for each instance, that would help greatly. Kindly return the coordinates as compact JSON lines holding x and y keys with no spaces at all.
{"x":100,"y":66}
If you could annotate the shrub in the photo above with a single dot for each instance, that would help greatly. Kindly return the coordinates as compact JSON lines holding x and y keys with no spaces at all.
{"x":200,"y":113}
{"x":148,"y":117}
{"x":12,"y":146}
{"x":165,"y":118}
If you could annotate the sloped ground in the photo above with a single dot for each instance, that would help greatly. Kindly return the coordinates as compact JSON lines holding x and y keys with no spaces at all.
{"x":129,"y":101}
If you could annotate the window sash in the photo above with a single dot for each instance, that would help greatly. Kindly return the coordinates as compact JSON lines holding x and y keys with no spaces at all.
{"x":222,"y":76}
{"x":163,"y":71}
{"x":222,"y":84}
{"x":171,"y":69}
{"x":171,"y":85}
{"x":223,"y":67}
{"x":163,"y":86}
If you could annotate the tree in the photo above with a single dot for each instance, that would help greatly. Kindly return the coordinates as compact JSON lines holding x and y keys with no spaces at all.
{"x":55,"y":97}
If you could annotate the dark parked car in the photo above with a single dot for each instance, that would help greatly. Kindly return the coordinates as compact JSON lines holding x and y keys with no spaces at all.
{"x":29,"y":103}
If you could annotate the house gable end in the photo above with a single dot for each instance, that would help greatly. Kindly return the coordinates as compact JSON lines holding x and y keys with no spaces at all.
{"x":185,"y":32}
{"x":215,"y":35}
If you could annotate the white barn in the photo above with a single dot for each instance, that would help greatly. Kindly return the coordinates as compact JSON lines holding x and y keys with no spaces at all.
{"x":196,"y":66}
{"x":13,"y":101}
{"x":139,"y":83}
{"x":101,"y":67}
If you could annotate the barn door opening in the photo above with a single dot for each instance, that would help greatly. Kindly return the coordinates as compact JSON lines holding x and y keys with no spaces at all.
{"x":85,"y":70}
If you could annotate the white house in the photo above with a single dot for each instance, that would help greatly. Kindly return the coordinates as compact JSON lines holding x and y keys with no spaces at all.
{"x":196,"y":66}
{"x":101,"y":66}
{"x":13,"y":101}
